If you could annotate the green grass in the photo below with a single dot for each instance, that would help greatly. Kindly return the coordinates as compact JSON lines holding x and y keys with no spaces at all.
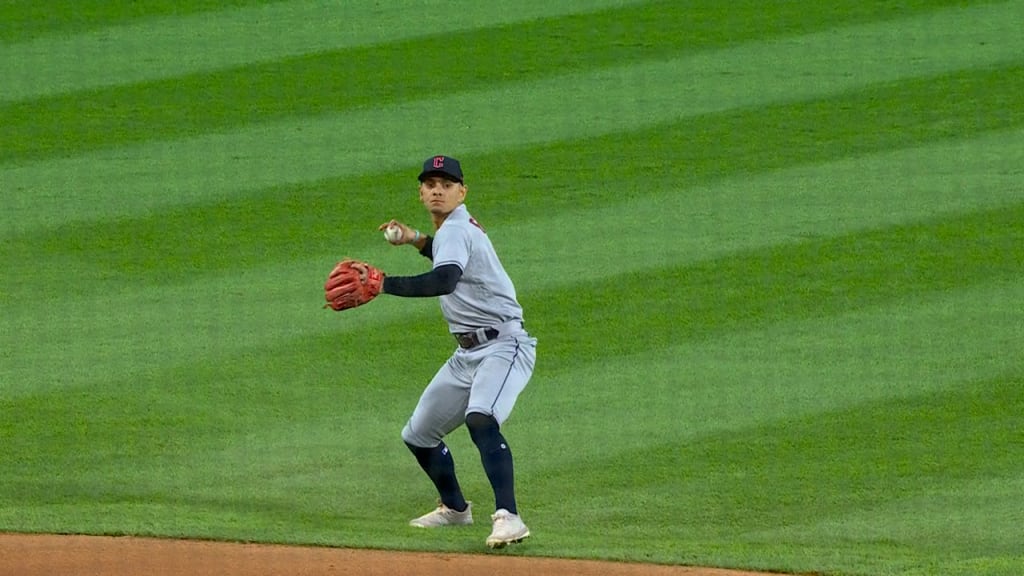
{"x":26,"y":19}
{"x":773,"y":261}
{"x":483,"y":58}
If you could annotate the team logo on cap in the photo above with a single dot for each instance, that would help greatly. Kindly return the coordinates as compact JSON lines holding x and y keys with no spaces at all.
{"x":438,"y":161}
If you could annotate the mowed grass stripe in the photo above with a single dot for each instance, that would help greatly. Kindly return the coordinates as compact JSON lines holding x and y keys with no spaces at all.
{"x":288,"y":224}
{"x":734,"y":379}
{"x":168,"y":47}
{"x":676,"y":155}
{"x":165,"y":258}
{"x":981,"y":510}
{"x":785,"y":452}
{"x":302,"y":470}
{"x":375,"y":75}
{"x":139,"y":179}
{"x":672,"y":220}
{"x":743,"y":143}
{"x":809,"y":279}
{"x":747,"y":484}
{"x":27,"y":19}
{"x":815,"y":202}
{"x":108,"y":331}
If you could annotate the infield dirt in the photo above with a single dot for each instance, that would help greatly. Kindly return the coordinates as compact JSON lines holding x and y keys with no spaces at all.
{"x":38,"y":555}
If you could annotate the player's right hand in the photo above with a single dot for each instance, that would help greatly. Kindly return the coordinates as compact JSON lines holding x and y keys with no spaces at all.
{"x":407,"y":234}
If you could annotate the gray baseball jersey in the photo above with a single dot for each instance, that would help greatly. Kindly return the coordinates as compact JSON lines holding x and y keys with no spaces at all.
{"x":486,"y":378}
{"x":484,"y":295}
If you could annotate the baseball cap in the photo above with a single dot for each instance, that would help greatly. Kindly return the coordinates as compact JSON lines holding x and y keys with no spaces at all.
{"x":442,"y":166}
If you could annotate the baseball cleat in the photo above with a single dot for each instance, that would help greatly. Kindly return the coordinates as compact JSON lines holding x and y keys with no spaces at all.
{"x":444,"y":516}
{"x":508,"y":529}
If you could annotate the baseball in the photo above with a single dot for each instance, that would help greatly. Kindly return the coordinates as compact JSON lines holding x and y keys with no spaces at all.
{"x":393,"y":234}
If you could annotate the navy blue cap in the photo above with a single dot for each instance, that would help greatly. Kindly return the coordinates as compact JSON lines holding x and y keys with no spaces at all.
{"x":445,"y":166}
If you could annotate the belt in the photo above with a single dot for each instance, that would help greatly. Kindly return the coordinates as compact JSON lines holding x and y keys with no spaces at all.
{"x":472,"y":339}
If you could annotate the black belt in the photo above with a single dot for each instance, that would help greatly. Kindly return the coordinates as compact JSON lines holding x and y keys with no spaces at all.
{"x":471,"y":340}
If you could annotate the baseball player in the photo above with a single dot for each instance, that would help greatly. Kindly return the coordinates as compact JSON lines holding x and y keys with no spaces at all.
{"x":491,"y":364}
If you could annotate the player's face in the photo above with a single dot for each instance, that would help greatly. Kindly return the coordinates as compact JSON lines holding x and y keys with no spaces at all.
{"x":441,"y":195}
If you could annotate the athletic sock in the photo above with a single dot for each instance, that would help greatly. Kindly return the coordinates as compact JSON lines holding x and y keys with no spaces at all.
{"x":496,"y":457}
{"x":439,"y":465}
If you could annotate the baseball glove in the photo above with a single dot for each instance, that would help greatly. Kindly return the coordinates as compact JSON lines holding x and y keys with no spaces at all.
{"x":352,"y":283}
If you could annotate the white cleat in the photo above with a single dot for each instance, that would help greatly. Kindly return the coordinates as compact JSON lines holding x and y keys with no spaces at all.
{"x":508,"y":529}
{"x":444,"y":516}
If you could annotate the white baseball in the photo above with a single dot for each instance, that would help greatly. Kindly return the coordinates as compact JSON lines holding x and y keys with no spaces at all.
{"x":393,"y":233}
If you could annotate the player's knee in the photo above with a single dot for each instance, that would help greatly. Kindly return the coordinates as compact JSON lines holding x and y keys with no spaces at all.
{"x":412,"y":439}
{"x":480,"y":422}
{"x":484,"y":430}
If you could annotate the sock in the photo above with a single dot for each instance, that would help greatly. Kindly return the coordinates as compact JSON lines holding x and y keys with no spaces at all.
{"x":496,"y":458}
{"x":439,"y":465}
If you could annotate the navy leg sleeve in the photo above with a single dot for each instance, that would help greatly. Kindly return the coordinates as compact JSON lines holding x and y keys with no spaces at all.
{"x":439,"y":465}
{"x":496,"y":458}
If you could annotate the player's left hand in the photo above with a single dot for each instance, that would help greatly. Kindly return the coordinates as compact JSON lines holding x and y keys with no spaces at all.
{"x":352,"y":283}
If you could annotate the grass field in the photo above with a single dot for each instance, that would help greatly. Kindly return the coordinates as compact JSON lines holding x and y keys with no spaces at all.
{"x":773,"y":253}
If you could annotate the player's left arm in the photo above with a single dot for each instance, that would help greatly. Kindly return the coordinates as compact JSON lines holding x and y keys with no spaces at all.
{"x":438,"y":282}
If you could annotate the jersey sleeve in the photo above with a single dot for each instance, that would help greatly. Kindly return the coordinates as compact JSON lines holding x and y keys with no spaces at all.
{"x":452,"y":245}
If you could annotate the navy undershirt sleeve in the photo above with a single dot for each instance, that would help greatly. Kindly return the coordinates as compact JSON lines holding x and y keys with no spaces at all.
{"x":437,"y":282}
{"x":428,"y":249}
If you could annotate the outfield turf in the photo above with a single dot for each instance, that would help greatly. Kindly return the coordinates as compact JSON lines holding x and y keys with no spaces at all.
{"x":773,"y":253}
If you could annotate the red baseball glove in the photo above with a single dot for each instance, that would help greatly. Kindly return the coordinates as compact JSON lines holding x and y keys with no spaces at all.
{"x":352,"y":283}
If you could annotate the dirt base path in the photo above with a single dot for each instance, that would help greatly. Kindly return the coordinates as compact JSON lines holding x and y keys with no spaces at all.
{"x":38,"y":555}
